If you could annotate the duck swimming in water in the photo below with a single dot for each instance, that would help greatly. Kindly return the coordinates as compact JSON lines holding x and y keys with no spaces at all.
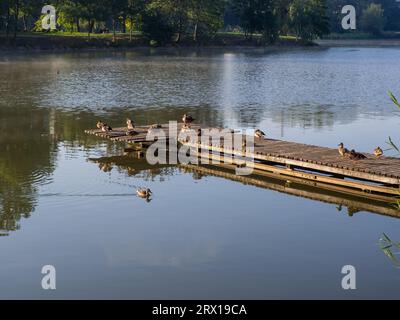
{"x":144,"y":192}
{"x":259,"y":134}
{"x":378,"y":152}
{"x":129,"y":124}
{"x":187,"y":119}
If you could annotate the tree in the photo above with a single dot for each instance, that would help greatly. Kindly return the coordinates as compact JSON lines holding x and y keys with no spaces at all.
{"x":133,"y":9}
{"x":206,"y":16}
{"x":308,"y":19}
{"x":259,"y":16}
{"x":372,"y":19}
{"x":117,"y":10}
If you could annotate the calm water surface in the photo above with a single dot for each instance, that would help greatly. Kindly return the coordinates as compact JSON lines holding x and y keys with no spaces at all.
{"x":201,"y":236}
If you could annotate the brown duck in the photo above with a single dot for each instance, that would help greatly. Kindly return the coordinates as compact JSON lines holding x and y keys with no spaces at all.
{"x":378,"y":152}
{"x":129,"y":124}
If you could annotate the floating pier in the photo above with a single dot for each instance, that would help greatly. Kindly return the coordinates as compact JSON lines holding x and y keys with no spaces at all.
{"x":377,"y":178}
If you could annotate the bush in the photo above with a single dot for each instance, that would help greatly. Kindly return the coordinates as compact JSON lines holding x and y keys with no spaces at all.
{"x":157,"y":27}
{"x":372,"y":19}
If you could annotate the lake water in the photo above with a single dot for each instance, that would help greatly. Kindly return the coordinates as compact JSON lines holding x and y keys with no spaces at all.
{"x":201,"y":236}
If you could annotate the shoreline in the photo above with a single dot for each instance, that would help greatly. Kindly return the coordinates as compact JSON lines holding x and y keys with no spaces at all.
{"x":45,"y":43}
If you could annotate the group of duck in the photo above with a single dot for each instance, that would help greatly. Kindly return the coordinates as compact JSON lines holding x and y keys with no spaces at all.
{"x":354,"y":155}
{"x":186,"y":119}
{"x":130,"y":126}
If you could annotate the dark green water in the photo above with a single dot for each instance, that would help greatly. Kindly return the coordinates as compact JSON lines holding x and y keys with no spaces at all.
{"x":201,"y":236}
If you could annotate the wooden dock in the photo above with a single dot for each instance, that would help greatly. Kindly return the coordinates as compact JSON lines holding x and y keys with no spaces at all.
{"x":374,"y":176}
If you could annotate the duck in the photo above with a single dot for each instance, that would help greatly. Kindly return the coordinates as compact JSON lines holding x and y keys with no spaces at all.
{"x":106,"y":127}
{"x":129,"y":124}
{"x":259,"y":134}
{"x":342,"y":150}
{"x":144,"y":192}
{"x":353,"y":155}
{"x":187,"y":118}
{"x":185,"y":127}
{"x":130,"y":132}
{"x":99,"y":124}
{"x":378,"y":152}
{"x":155,"y":126}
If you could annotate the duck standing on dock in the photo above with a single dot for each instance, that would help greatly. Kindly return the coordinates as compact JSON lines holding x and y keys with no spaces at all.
{"x":259,"y":134}
{"x":378,"y":152}
{"x":144,"y":193}
{"x":129,"y":124}
{"x":99,"y":124}
{"x":185,"y":127}
{"x":131,"y":133}
{"x":106,"y":128}
{"x":353,"y":155}
{"x":342,"y":150}
{"x":187,"y":119}
{"x":155,"y":126}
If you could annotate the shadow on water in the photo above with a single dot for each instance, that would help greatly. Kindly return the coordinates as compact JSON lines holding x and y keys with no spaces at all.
{"x":27,"y":154}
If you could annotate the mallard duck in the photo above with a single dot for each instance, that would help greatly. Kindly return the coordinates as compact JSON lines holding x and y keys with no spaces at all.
{"x":131,"y":133}
{"x":143,"y":192}
{"x":129,"y":124}
{"x":187,"y":118}
{"x":185,"y":127}
{"x":353,"y":155}
{"x":342,"y":150}
{"x":259,"y":134}
{"x":155,"y":126}
{"x":99,"y":124}
{"x":106,"y":127}
{"x":378,"y":152}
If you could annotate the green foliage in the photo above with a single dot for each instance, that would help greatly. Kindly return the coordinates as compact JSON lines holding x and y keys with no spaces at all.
{"x":372,"y":19}
{"x":259,"y":16}
{"x":308,"y":18}
{"x":390,"y":248}
{"x":392,"y":145}
{"x":157,"y":27}
{"x":265,"y":21}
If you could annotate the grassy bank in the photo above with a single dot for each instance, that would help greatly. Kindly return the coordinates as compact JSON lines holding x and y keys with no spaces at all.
{"x":66,"y":40}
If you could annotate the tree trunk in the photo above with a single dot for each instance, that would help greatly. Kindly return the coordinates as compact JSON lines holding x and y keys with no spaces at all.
{"x":24,"y":22}
{"x":195,"y":33}
{"x":16,"y":13}
{"x":130,"y":29}
{"x":123,"y":24}
{"x":90,"y":27}
{"x":8,"y":22}
{"x":78,"y":27}
{"x":113,"y":26}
